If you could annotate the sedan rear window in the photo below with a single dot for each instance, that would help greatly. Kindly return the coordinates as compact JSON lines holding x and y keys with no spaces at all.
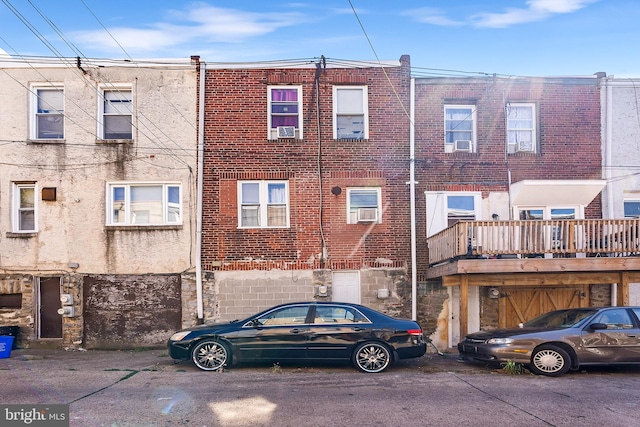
{"x":339,"y":314}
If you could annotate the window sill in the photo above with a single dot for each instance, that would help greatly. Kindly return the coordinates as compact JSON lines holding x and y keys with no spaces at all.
{"x":143,"y":227}
{"x":46,"y":141}
{"x":27,"y":235}
{"x":523,"y":154}
{"x":114,"y":141}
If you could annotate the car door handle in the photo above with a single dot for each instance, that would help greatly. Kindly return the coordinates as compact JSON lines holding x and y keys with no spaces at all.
{"x":298,"y":330}
{"x":357,"y":328}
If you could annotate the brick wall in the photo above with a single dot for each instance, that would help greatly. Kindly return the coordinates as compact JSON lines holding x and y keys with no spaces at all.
{"x":569,"y":138}
{"x":237,"y":148}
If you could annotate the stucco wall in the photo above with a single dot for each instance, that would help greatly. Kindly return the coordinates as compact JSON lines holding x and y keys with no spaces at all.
{"x":72,"y":228}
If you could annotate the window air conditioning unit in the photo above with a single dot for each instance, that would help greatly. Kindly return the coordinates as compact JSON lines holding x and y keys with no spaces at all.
{"x":367,"y":214}
{"x":286,"y":132}
{"x":526,"y":146}
{"x":462,"y":145}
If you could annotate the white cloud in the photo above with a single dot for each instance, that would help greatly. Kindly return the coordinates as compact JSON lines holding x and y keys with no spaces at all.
{"x":430,"y":15}
{"x":537,"y":10}
{"x":199,"y":25}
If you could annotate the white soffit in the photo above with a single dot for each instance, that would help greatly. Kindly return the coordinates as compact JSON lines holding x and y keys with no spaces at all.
{"x":550,"y":192}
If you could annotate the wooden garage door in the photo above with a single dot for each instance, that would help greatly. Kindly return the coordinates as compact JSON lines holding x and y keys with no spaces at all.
{"x":518,"y":305}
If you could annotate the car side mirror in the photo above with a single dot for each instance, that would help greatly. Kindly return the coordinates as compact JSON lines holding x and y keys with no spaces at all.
{"x":597,"y":326}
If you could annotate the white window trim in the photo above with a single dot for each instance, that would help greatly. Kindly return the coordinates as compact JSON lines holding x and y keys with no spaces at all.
{"x":264,"y":197}
{"x":513,"y":147}
{"x":33,"y":110}
{"x":448,"y":146}
{"x":437,"y":208}
{"x":272,"y":133}
{"x":365,"y":107}
{"x":127,"y":186}
{"x":15,"y":209}
{"x":546,"y":210}
{"x":378,"y":191}
{"x":101,"y":99}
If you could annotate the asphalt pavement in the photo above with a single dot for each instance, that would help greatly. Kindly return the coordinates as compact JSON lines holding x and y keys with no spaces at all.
{"x":157,"y":359}
{"x":146,"y":388}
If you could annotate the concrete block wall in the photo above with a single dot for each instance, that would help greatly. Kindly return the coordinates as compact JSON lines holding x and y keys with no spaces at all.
{"x":241,"y":294}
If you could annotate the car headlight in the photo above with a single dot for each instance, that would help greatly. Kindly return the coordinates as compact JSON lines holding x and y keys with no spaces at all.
{"x":179,"y":336}
{"x":500,"y":341}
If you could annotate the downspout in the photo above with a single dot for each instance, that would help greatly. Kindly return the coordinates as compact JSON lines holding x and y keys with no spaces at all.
{"x":199,"y":302}
{"x":607,"y":145}
{"x":412,"y":190}
{"x":608,"y":138}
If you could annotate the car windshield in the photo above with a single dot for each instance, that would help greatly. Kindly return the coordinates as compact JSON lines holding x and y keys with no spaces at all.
{"x":560,"y":319}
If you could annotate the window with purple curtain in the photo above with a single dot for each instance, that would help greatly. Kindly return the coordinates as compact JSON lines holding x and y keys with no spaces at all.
{"x":285,"y":107}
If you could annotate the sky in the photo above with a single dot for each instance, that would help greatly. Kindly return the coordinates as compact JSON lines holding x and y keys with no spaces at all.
{"x":442,"y":37}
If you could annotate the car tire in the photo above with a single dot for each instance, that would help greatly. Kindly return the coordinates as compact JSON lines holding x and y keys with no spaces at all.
{"x":550,"y":360}
{"x":371,"y":357}
{"x":210,"y":355}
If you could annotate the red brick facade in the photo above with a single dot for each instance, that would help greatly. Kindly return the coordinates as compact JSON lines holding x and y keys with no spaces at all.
{"x":237,"y":148}
{"x":568,"y":129}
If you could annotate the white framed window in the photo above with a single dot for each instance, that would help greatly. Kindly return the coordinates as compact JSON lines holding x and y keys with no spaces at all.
{"x":521,"y":127}
{"x":632,"y":208}
{"x":47,"y":107}
{"x":144,"y":203}
{"x":446,"y":208}
{"x":285,"y":112}
{"x":350,"y":112}
{"x":460,"y":128}
{"x":263,"y":204}
{"x":364,"y":205}
{"x":116,"y":113}
{"x":25,"y":209}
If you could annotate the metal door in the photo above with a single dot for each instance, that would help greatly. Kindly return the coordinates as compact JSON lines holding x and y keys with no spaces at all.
{"x":346,"y":287}
{"x":50,"y":322}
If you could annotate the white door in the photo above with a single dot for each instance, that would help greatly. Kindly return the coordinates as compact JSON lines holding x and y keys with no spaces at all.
{"x":346,"y":287}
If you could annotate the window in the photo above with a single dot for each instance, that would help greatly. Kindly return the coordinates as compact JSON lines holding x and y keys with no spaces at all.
{"x":143,"y":204}
{"x":290,"y":315}
{"x":263,"y":204}
{"x":364,"y":205}
{"x":521,"y":127}
{"x":24,"y":212}
{"x":339,"y":314}
{"x":116,"y":110}
{"x":460,"y":208}
{"x":617,"y":318}
{"x":47,"y":104}
{"x":285,"y":112}
{"x":446,"y":208}
{"x":350,"y":112}
{"x":632,"y":208}
{"x":10,"y":301}
{"x":460,"y":128}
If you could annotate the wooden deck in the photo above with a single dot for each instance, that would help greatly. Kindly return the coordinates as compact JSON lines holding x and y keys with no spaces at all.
{"x":531,"y":238}
{"x":536,"y":254}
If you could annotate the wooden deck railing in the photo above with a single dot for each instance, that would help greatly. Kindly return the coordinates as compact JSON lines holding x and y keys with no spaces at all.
{"x":591,"y":237}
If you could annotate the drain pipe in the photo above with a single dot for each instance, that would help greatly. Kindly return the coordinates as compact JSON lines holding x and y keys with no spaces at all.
{"x":608,"y":138}
{"x":199,"y":191}
{"x":412,"y":189}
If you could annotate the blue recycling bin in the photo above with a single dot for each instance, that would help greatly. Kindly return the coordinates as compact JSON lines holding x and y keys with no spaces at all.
{"x":6,"y":342}
{"x":11,"y":331}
